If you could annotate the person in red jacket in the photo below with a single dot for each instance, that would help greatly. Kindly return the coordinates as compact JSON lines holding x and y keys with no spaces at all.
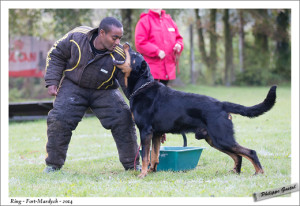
{"x":157,"y":38}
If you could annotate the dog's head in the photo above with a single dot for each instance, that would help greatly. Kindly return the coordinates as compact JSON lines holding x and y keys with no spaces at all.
{"x":134,"y":67}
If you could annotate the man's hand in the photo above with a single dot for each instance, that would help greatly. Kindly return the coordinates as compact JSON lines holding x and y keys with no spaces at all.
{"x":52,"y":90}
{"x":177,"y":48}
{"x":161,"y":54}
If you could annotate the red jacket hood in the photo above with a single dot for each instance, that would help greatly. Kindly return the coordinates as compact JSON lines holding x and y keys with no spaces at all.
{"x":152,"y":13}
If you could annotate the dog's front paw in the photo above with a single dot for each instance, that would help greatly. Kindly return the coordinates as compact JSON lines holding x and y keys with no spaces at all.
{"x":234,"y":171}
{"x":153,"y":167}
{"x":260,"y":172}
{"x":142,"y":175}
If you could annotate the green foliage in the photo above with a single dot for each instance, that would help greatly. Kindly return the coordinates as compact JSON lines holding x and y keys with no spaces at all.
{"x":256,"y":72}
{"x":24,"y":22}
{"x":26,"y":89}
{"x":269,"y":31}
{"x":260,"y":65}
{"x":257,"y":77}
{"x":267,"y":42}
{"x":93,"y":169}
{"x":283,"y":49}
{"x":47,"y":23}
{"x":64,"y":20}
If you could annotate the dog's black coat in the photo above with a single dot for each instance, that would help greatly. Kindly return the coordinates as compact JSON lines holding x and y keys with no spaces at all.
{"x":158,"y":109}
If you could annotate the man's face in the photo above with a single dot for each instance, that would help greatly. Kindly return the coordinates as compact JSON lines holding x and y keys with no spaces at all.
{"x":112,"y":38}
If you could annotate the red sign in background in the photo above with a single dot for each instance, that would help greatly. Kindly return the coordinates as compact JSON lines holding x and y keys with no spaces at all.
{"x":27,"y":56}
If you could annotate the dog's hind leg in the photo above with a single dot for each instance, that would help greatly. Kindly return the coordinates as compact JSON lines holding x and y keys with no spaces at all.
{"x":236,"y":158}
{"x":250,"y":155}
{"x":220,"y":135}
{"x":237,"y":161}
{"x":146,"y":142}
{"x":155,"y":152}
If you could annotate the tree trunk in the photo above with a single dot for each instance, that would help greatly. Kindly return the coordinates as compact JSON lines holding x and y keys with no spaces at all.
{"x":261,"y":39}
{"x":127,"y":25}
{"x":241,"y":40}
{"x":283,"y":50}
{"x":211,"y":60}
{"x":213,"y":46}
{"x":192,"y":58}
{"x":201,"y":42}
{"x":229,"y":70}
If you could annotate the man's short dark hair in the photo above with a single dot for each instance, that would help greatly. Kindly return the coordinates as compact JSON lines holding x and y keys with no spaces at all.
{"x":107,"y":22}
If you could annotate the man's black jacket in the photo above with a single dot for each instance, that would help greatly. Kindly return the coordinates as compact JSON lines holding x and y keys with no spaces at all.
{"x":72,"y":57}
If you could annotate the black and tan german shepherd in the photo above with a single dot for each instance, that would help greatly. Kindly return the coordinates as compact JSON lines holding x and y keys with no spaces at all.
{"x":158,"y":109}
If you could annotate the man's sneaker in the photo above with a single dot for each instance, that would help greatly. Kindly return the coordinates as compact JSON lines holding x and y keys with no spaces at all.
{"x":50,"y":169}
{"x":138,"y":168}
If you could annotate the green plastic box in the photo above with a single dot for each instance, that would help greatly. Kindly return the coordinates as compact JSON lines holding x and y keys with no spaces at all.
{"x":178,"y":158}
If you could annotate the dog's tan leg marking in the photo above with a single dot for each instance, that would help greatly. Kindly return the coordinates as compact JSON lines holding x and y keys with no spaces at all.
{"x":146,"y":158}
{"x":144,"y":172}
{"x":155,"y":153}
{"x":258,"y":170}
{"x":236,"y":158}
{"x":237,"y":162}
{"x":251,"y":156}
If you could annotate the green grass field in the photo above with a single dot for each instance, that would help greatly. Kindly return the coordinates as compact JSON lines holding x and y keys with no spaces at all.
{"x":93,"y":169}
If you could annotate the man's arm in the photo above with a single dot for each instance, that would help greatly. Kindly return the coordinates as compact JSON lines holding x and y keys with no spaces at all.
{"x":52,"y":90}
{"x":56,"y":62}
{"x":142,"y":43}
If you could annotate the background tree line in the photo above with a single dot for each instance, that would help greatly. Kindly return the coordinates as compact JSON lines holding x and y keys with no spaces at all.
{"x":231,"y":46}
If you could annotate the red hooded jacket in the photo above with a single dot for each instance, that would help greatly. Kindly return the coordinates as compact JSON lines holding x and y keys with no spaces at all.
{"x":154,"y":33}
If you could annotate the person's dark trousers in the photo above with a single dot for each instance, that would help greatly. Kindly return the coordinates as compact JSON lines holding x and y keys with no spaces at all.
{"x":69,"y":107}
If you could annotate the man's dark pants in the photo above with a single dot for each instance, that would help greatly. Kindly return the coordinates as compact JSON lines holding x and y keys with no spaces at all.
{"x":110,"y":108}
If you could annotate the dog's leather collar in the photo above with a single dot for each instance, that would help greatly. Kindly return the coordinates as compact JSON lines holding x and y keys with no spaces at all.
{"x":141,"y":87}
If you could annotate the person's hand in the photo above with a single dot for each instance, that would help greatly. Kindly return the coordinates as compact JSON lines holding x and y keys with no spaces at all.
{"x":161,"y":54}
{"x":52,"y":90}
{"x":177,"y":48}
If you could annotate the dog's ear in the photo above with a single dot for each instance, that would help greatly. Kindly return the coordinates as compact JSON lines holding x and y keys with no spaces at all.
{"x":127,"y":46}
{"x":144,"y":67}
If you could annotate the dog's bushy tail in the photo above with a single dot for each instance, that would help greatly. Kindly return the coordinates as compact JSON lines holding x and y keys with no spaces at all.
{"x":255,"y":110}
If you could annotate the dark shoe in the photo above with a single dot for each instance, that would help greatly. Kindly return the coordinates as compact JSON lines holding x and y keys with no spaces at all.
{"x":137,"y":168}
{"x":50,"y":169}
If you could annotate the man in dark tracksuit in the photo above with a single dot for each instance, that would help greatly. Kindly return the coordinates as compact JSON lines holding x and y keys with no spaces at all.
{"x":81,"y":74}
